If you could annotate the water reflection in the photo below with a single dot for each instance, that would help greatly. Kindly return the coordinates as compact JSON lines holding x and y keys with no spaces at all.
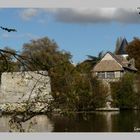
{"x":39,"y":123}
{"x":85,"y":122}
{"x":108,"y":117}
{"x":124,"y":121}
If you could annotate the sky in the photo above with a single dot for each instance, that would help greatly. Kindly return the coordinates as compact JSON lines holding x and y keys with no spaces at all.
{"x":80,"y":31}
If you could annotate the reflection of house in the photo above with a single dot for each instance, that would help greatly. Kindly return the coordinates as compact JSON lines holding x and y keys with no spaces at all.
{"x":113,"y":66}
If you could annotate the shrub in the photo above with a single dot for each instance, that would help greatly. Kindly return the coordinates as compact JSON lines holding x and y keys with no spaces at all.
{"x":123,"y":92}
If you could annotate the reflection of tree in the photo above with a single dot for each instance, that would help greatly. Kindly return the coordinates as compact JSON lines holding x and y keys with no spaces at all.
{"x":38,"y":123}
{"x":15,"y":126}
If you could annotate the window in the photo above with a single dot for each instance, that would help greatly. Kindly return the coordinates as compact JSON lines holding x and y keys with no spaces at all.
{"x":110,"y":75}
{"x":101,"y":75}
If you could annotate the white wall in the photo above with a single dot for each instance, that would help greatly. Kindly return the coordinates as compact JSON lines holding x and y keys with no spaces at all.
{"x":18,"y":85}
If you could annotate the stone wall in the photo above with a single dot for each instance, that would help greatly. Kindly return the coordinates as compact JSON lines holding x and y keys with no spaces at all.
{"x":20,"y":86}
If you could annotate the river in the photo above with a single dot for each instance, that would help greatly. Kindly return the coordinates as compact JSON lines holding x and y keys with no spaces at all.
{"x":123,"y":121}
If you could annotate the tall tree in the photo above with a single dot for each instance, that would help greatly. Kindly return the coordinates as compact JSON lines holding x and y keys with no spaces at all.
{"x":94,"y":59}
{"x":133,"y":50}
{"x":43,"y":54}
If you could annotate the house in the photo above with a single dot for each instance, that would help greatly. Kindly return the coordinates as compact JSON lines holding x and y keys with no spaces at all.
{"x":112,"y":67}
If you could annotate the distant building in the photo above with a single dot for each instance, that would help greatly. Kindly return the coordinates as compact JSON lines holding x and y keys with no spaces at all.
{"x":122,"y":48}
{"x":113,"y":66}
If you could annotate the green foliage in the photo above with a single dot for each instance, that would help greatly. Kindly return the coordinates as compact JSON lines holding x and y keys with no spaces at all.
{"x":137,"y":87}
{"x":93,"y":59}
{"x":123,"y":92}
{"x":84,"y":67}
{"x":133,"y":50}
{"x":87,"y":65}
{"x":61,"y":77}
{"x":7,"y":61}
{"x":43,"y":54}
{"x":73,"y":87}
{"x":82,"y":93}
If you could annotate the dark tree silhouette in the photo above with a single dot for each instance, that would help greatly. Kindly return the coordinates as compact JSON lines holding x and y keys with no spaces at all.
{"x":8,"y":29}
{"x":94,"y":59}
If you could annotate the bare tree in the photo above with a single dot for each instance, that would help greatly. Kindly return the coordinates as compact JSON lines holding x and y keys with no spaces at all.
{"x":25,"y":64}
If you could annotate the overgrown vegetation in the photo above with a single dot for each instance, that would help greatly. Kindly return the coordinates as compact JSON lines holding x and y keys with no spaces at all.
{"x":125,"y":93}
{"x":82,"y":93}
{"x":87,"y":65}
{"x":133,"y":50}
{"x":73,"y":87}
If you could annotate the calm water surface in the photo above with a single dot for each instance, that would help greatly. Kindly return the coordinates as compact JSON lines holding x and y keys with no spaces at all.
{"x":124,"y":121}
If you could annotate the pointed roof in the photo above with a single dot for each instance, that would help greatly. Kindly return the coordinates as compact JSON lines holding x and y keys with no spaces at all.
{"x":110,"y":64}
{"x":117,"y":63}
{"x":122,"y":48}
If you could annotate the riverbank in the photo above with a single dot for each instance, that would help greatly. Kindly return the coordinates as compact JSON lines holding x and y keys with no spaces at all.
{"x":43,"y":108}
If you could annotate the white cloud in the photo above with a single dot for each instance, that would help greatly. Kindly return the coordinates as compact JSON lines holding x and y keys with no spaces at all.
{"x":28,"y":14}
{"x":85,"y":15}
{"x":99,"y":15}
